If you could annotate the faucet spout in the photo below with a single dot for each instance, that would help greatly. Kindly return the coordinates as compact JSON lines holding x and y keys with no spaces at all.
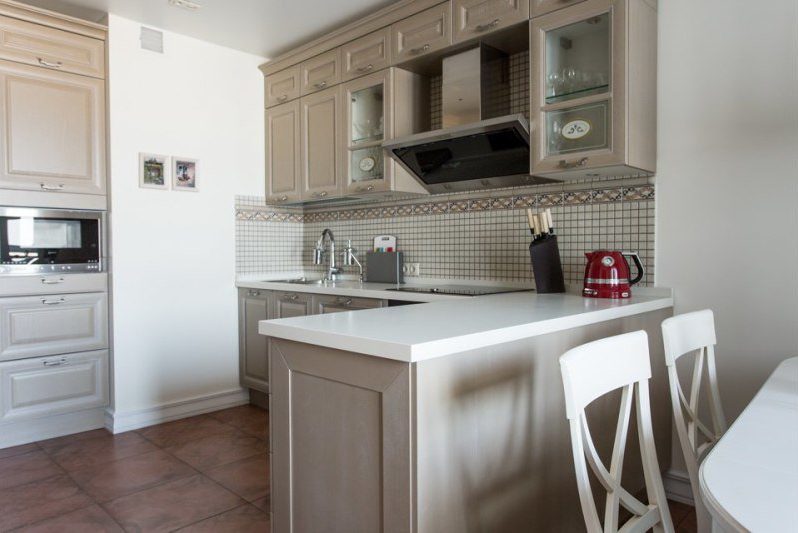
{"x":332,"y":270}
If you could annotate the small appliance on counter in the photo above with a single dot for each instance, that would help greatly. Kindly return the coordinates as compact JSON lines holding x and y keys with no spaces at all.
{"x":545,"y":253}
{"x":607,"y":274}
{"x":384,"y":264}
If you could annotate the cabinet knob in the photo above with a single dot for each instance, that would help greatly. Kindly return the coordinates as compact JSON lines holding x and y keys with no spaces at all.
{"x":489,"y":25}
{"x":320,"y":85}
{"x":49,"y":64}
{"x":573,"y":164}
{"x":365,"y":189}
{"x":322,"y":194}
{"x":282,"y":98}
{"x":48,"y":187}
{"x":366,"y":68}
{"x":419,"y":49}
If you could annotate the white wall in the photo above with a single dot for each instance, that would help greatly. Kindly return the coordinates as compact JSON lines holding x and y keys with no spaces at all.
{"x":727,"y":179}
{"x":175,"y":323}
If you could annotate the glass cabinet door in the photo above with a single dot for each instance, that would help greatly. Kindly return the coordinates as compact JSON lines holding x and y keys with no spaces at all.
{"x":577,"y":86}
{"x":367,"y":125}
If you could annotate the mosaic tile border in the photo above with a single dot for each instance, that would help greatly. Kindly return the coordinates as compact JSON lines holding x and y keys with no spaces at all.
{"x":518,"y":201}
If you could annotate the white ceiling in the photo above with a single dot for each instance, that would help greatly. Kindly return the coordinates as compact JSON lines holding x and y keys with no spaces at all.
{"x":262,"y":27}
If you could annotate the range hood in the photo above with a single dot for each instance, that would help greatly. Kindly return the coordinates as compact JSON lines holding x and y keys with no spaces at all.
{"x":481,"y":145}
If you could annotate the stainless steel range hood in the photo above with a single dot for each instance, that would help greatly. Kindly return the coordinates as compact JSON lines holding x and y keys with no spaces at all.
{"x":481,"y":145}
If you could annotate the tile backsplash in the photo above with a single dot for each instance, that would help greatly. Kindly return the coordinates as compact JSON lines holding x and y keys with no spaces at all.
{"x":470,"y":236}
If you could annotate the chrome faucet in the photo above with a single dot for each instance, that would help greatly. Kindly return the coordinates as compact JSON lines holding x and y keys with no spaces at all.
{"x":318,"y":255}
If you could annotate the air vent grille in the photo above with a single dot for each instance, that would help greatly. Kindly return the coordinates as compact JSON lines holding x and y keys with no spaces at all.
{"x":151,"y":40}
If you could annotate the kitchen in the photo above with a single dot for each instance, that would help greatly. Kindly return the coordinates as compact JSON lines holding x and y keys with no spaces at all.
{"x":173,"y":398}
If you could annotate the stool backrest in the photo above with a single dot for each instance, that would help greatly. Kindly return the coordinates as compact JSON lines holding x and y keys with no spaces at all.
{"x":588,"y":372}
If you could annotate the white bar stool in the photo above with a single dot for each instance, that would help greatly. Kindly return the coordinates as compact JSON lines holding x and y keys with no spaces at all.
{"x":683,"y":334}
{"x":588,"y":372}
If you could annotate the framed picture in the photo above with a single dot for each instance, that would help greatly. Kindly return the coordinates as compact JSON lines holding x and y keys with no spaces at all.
{"x":184,"y":174}
{"x":153,"y":171}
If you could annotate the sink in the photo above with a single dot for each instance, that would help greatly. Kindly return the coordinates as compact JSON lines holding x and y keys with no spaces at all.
{"x":298,"y":281}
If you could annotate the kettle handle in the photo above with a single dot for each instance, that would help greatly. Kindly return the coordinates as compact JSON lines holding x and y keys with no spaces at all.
{"x":638,"y":264}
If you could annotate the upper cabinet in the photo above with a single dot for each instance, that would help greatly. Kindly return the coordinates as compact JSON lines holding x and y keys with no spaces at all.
{"x":320,"y":72}
{"x":593,"y":90}
{"x":282,"y":153}
{"x":474,"y":18}
{"x":367,"y":54}
{"x":319,"y":155}
{"x":541,"y":7}
{"x":52,"y":136}
{"x":422,"y":33}
{"x":282,"y":86}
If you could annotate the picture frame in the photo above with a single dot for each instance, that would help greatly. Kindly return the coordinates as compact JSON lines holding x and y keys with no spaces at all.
{"x":154,"y":171}
{"x":184,"y":174}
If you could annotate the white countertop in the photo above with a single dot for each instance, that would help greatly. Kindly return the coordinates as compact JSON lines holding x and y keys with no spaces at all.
{"x":750,"y":478}
{"x":456,"y":324}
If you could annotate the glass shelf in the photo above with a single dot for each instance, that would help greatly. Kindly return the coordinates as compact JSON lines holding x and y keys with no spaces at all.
{"x":376,"y":137}
{"x":577,"y":93}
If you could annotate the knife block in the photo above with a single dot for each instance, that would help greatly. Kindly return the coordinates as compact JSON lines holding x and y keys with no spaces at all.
{"x":546,"y":265}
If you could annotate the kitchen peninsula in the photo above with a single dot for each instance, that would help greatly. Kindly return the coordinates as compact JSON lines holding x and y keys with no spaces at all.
{"x":444,"y":416}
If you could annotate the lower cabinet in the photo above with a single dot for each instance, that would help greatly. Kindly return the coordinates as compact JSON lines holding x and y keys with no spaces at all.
{"x":324,"y":304}
{"x":45,"y":386}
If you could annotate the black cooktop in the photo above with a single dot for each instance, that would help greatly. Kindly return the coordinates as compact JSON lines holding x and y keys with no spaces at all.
{"x":460,"y":290}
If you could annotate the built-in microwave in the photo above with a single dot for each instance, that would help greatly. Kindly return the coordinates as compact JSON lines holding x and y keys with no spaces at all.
{"x":37,"y":241}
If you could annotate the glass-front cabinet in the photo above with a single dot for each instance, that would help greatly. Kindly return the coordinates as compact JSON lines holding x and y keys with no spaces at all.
{"x":593,"y":77}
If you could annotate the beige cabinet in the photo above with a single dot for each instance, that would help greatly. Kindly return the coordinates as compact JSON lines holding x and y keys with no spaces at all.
{"x":320,"y":72}
{"x":253,"y":306}
{"x":282,"y":86}
{"x":52,"y":135}
{"x":34,"y":44}
{"x":422,"y":33}
{"x":291,"y":304}
{"x":541,"y":7}
{"x":32,"y":326}
{"x":593,"y":96}
{"x":475,"y":18}
{"x":46,"y":386}
{"x":367,"y":54}
{"x":325,"y":304}
{"x":320,"y":150}
{"x":378,"y":107}
{"x":283,"y":178}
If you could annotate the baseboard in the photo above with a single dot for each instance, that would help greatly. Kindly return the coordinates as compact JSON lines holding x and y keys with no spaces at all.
{"x":118,"y":422}
{"x":677,"y":486}
{"x":48,"y":427}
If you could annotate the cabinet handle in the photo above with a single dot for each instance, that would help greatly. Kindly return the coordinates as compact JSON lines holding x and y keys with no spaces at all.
{"x":489,"y":25}
{"x":254,"y":293}
{"x":573,"y":164}
{"x":366,"y":68}
{"x":46,"y":187}
{"x":57,"y":362}
{"x":292,"y":297}
{"x":320,"y":85}
{"x":282,"y":98}
{"x":322,"y":194}
{"x":51,"y":64}
{"x":281,"y":199}
{"x":45,"y":301}
{"x":345,"y":302}
{"x":48,"y":281}
{"x":419,"y":49}
{"x":365,"y":189}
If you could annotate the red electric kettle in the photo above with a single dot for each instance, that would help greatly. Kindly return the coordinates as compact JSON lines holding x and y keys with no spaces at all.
{"x":607,"y":274}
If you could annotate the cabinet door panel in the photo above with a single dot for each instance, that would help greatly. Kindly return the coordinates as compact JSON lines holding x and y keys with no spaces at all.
{"x":282,"y":86}
{"x":423,"y":33}
{"x":46,"y":386}
{"x":320,"y":147}
{"x":254,"y":367}
{"x":367,"y":54}
{"x":473,"y":18}
{"x":53,"y":130}
{"x":291,"y":304}
{"x":43,"y":325}
{"x":283,"y":153}
{"x":321,"y":72}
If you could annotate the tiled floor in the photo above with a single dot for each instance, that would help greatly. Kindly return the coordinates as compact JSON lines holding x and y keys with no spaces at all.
{"x":207,"y":473}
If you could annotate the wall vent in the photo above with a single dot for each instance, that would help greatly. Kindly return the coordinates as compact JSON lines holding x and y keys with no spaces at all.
{"x":151,"y":40}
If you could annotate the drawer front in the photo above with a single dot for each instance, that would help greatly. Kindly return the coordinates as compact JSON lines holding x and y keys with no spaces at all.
{"x":321,"y":72}
{"x":541,"y":7}
{"x":45,"y":386}
{"x":33,"y":44}
{"x":52,"y":284}
{"x":282,"y":86}
{"x":339,"y":304}
{"x":422,"y":33}
{"x":32,"y":326}
{"x":474,"y":18}
{"x":291,"y":304}
{"x":367,"y":54}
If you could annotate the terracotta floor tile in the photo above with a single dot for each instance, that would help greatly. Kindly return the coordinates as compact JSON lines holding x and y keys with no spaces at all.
{"x":248,"y":418}
{"x":60,"y":441}
{"x":18,"y":450}
{"x":172,"y":505}
{"x":216,"y":450}
{"x":249,"y":478}
{"x":82,"y":454}
{"x":31,"y":466}
{"x":688,"y":525}
{"x":243,"y":519}
{"x":184,"y":430}
{"x":33,"y":502}
{"x":92,"y":519}
{"x":118,"y":478}
{"x":679,"y":511}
